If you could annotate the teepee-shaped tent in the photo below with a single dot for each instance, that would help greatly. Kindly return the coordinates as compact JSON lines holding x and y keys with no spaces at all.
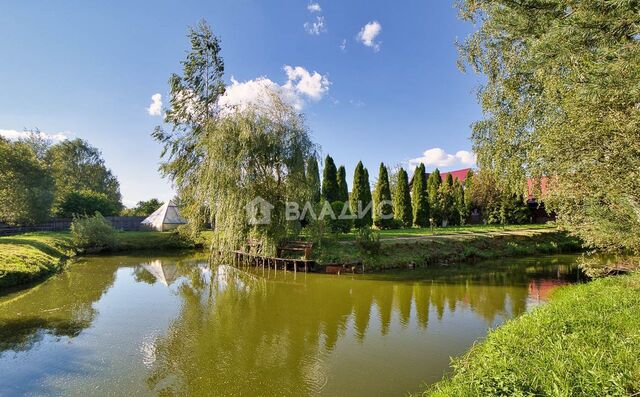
{"x":164,"y":218}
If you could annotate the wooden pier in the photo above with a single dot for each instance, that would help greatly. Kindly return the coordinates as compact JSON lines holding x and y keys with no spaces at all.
{"x":245,"y":258}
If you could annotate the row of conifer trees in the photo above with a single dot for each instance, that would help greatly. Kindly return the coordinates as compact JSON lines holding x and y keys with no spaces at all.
{"x":424,"y":202}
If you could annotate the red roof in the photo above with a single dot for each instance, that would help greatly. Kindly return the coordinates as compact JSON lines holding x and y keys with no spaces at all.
{"x":460,"y":175}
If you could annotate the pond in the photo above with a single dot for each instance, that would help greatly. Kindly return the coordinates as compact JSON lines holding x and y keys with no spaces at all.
{"x":148,"y":325}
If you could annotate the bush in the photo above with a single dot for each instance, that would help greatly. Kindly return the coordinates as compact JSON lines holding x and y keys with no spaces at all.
{"x":93,"y":233}
{"x":368,"y":242}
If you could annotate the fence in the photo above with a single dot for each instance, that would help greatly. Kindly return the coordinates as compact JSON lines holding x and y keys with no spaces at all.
{"x":123,"y":223}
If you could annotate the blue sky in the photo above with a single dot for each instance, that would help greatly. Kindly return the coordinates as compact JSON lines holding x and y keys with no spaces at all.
{"x":89,"y":70}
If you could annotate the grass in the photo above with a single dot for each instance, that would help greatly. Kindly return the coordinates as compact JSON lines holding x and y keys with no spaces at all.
{"x":33,"y":256}
{"x":584,"y":342}
{"x":452,"y":248}
{"x":29,"y":257}
{"x":450,"y":230}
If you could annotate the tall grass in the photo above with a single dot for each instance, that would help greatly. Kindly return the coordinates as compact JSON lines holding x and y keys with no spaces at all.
{"x":584,"y":342}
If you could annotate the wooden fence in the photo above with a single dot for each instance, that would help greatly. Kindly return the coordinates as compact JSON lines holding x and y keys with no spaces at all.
{"x":122,"y":223}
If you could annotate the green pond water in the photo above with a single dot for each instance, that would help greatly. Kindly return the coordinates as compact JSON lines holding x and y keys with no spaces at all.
{"x":155,"y":325}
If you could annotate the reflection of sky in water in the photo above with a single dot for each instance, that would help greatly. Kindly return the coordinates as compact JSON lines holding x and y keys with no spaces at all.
{"x":127,"y":325}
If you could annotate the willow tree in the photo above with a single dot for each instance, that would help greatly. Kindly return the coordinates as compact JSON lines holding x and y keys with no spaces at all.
{"x":226,"y":161}
{"x":252,"y":163}
{"x":561,"y":100}
{"x":193,"y":105}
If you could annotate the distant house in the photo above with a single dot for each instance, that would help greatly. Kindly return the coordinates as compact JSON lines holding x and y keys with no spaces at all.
{"x":460,"y":175}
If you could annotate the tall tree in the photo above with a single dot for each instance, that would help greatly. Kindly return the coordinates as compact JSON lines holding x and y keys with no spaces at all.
{"x":446,"y":203}
{"x":461,"y":213}
{"x":343,"y":189}
{"x":433,"y":189}
{"x":26,"y":187}
{"x":360,"y":199}
{"x":368,"y":198}
{"x":330,"y":181}
{"x":76,"y":165}
{"x":193,"y":104}
{"x":420,"y":198}
{"x":468,"y":188}
{"x":382,"y":204}
{"x":561,"y":100}
{"x":402,"y":210}
{"x":313,"y":178}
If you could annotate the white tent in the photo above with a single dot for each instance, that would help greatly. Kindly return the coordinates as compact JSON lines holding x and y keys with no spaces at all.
{"x":164,"y":218}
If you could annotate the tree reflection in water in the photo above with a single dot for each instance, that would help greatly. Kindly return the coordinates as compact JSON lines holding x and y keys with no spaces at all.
{"x":263,"y":332}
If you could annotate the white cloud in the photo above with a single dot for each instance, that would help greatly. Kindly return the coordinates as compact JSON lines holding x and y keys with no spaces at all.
{"x":314,"y":7}
{"x":437,"y":157}
{"x":368,"y":34}
{"x":343,"y":45}
{"x":316,"y":27}
{"x":301,"y":85}
{"x":155,"y":108}
{"x":14,"y":135}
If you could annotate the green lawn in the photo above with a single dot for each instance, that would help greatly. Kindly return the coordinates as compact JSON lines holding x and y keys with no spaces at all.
{"x":28,"y":257}
{"x":584,"y":342}
{"x":422,"y":232}
{"x":468,"y":244}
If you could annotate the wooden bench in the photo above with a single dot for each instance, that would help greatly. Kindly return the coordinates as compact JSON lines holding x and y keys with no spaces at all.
{"x":295,"y":246}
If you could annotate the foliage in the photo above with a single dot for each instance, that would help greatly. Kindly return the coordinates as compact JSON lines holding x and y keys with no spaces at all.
{"x":93,"y":233}
{"x":26,"y":188}
{"x":403,"y":211}
{"x":462,"y":211}
{"x":420,"y":198}
{"x":76,"y":165}
{"x":330,"y":181}
{"x":445,"y":206}
{"x":468,"y":189}
{"x":433,"y":190}
{"x":382,"y":204}
{"x":84,"y":202}
{"x":193,"y":105}
{"x":551,"y":350}
{"x":313,"y":179}
{"x":143,"y":208}
{"x":561,"y":100}
{"x":335,"y":224}
{"x":360,"y":199}
{"x":343,"y":189}
{"x":368,"y":243}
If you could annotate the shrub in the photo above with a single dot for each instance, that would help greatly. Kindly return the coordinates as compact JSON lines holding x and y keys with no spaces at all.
{"x":368,"y":242}
{"x":93,"y":233}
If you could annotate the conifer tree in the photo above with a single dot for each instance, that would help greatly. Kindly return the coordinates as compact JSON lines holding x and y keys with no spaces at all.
{"x":343,"y":189}
{"x":419,"y":198}
{"x":433,"y":189}
{"x":313,"y":179}
{"x":383,"y":207}
{"x":360,"y":196}
{"x":402,"y":200}
{"x":368,"y":199}
{"x":330,"y":180}
{"x":460,"y":206}
{"x":446,"y":201}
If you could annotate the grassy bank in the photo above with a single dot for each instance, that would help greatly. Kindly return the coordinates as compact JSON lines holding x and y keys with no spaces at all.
{"x":584,"y":342}
{"x":423,"y":250}
{"x":29,"y":257}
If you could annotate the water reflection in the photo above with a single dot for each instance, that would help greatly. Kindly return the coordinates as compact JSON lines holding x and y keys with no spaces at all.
{"x":176,"y":326}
